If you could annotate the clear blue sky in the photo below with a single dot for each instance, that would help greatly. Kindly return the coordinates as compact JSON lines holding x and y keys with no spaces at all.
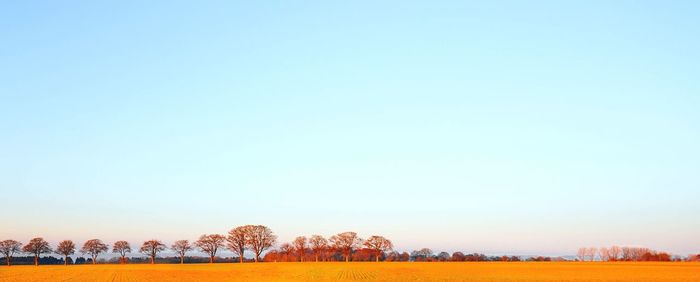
{"x":501,"y":127}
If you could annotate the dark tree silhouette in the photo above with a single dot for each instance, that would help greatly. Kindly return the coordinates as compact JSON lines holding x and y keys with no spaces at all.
{"x":37,"y":246}
{"x":210,"y":244}
{"x":8,"y":248}
{"x":181,"y":247}
{"x":94,"y":248}
{"x":121,"y":248}
{"x":65,"y":248}
{"x":151,"y":248}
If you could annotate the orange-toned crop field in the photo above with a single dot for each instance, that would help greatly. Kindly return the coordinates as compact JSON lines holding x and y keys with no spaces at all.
{"x":400,"y":271}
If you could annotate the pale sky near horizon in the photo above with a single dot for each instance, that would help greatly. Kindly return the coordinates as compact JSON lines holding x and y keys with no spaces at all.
{"x":519,"y":127}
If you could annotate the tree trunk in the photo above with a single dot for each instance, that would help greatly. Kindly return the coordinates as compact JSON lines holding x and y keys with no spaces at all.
{"x":241,"y":258}
{"x":182,"y":260}
{"x":153,"y":260}
{"x":211,"y":259}
{"x":377,"y":258}
{"x":257,"y":257}
{"x":36,"y":260}
{"x":316,"y":258}
{"x":65,"y":260}
{"x":94,"y":259}
{"x":8,"y":261}
{"x":347,"y":258}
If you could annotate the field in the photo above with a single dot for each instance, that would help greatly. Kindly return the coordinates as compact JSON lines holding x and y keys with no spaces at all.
{"x":488,"y":271}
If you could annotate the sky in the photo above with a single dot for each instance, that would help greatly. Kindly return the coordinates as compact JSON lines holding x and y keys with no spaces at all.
{"x":502,"y":127}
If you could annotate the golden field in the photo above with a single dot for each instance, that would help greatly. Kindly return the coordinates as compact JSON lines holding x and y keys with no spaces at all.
{"x":362,"y":271}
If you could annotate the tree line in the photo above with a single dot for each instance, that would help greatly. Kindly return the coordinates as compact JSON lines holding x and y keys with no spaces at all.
{"x":617,"y":253}
{"x":257,"y":239}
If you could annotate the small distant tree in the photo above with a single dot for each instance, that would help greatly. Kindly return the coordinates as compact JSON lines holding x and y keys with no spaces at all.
{"x":445,"y":256}
{"x":300,"y":247}
{"x":94,"y":248}
{"x":37,"y":246}
{"x":424,"y":254}
{"x":590,"y":253}
{"x":210,"y":244}
{"x":604,"y":254}
{"x":65,"y":248}
{"x":457,"y":256}
{"x":286,"y":250}
{"x":581,"y":254}
{"x":181,"y":247}
{"x":318,"y":245}
{"x":614,"y":253}
{"x":237,"y":241}
{"x":346,"y":242}
{"x":8,"y":248}
{"x":121,"y":248}
{"x":379,"y":245}
{"x":259,"y":238}
{"x":151,"y":248}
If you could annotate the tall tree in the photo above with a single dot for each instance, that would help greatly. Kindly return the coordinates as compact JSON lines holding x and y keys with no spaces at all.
{"x":259,"y":238}
{"x":210,"y":244}
{"x":94,"y":247}
{"x":300,"y":247}
{"x":65,"y":248}
{"x":37,"y":246}
{"x":379,"y":245}
{"x":346,"y":242}
{"x":8,"y":248}
{"x":237,"y":240}
{"x":181,"y":247}
{"x":318,"y":245}
{"x":121,"y":248}
{"x":151,"y":248}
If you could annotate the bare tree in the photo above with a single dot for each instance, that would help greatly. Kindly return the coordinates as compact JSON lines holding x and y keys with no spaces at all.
{"x":379,"y":245}
{"x":590,"y":253}
{"x":286,"y":249}
{"x":300,"y":247}
{"x":425,"y":253}
{"x":37,"y":246}
{"x":210,"y":244}
{"x":8,"y":248}
{"x":259,"y":238}
{"x":94,"y":248}
{"x":122,"y":248}
{"x":346,"y":242}
{"x":65,"y":248}
{"x":604,"y":254}
{"x":581,"y":254}
{"x":626,"y":253}
{"x":615,"y":252}
{"x":181,"y":247}
{"x":318,"y":245}
{"x":237,"y":241}
{"x":151,"y":248}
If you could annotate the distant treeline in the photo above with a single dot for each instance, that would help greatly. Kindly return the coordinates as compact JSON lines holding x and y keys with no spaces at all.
{"x":617,"y":253}
{"x":259,"y":239}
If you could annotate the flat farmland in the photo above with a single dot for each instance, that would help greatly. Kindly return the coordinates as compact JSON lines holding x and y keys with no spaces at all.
{"x":362,"y":271}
